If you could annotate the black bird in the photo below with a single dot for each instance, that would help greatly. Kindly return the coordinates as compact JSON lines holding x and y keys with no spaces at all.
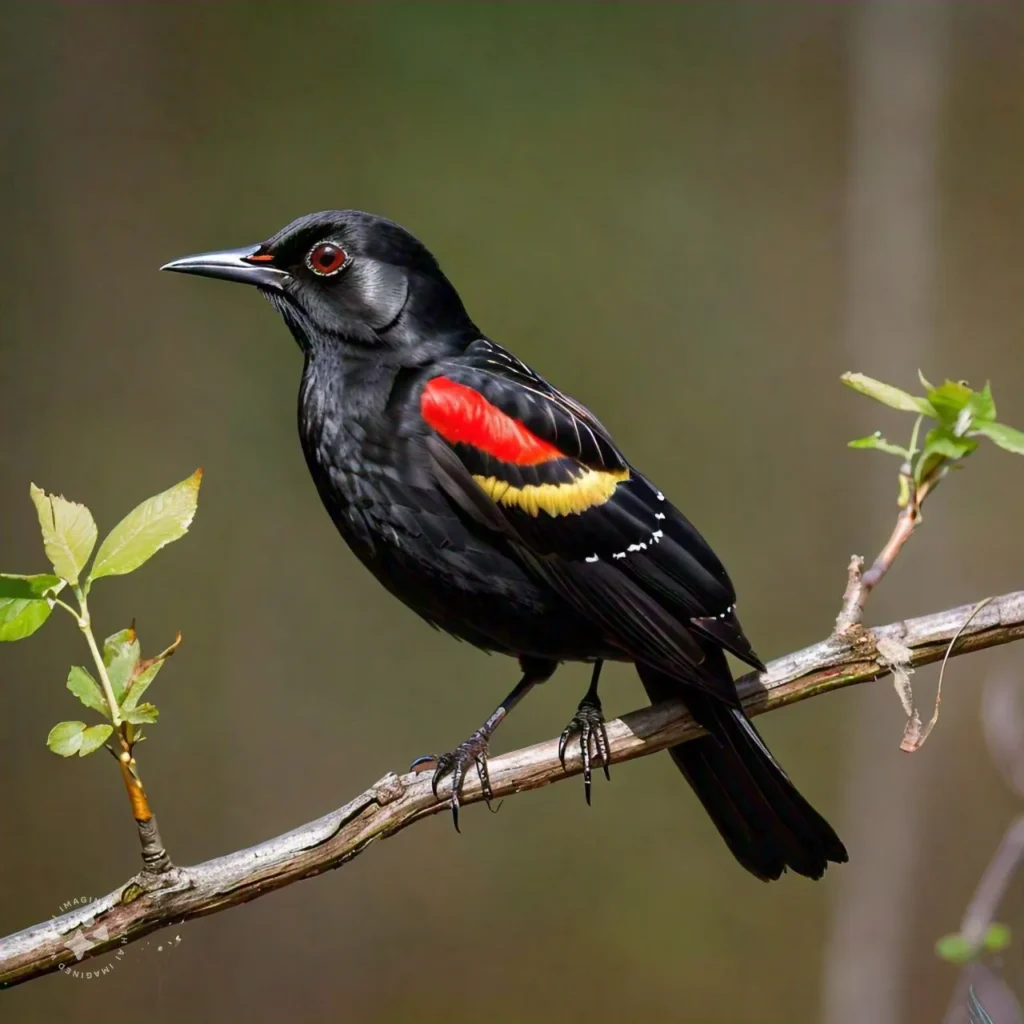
{"x":500,"y":510}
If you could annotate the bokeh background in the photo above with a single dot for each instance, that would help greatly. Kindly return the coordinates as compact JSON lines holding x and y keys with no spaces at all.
{"x":694,"y":218}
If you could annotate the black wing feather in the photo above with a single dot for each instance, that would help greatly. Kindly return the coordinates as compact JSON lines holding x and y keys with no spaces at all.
{"x":633,"y":562}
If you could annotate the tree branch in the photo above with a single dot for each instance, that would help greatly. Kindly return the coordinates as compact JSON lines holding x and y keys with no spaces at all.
{"x":149,"y":902}
{"x":860,"y":583}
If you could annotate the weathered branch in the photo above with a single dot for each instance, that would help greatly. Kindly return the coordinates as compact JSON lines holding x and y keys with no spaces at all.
{"x":148,"y":902}
{"x":861,"y":583}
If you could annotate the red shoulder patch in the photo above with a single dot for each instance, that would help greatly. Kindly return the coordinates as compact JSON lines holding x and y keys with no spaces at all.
{"x":461,"y":415}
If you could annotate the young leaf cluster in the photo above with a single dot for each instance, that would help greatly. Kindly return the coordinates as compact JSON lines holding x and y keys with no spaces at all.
{"x":961,"y":416}
{"x":958,"y":949}
{"x":130,"y":676}
{"x":122,"y":675}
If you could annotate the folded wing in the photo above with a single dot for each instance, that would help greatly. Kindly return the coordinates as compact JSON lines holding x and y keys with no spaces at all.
{"x":519,"y":457}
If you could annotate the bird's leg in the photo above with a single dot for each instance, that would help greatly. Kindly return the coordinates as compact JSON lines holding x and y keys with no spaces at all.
{"x":473,"y":752}
{"x":588,"y":723}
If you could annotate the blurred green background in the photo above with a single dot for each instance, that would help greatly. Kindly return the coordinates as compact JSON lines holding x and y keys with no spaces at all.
{"x":694,"y":218}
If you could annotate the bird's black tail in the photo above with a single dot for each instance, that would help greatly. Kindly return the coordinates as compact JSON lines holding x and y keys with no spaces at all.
{"x":762,"y":817}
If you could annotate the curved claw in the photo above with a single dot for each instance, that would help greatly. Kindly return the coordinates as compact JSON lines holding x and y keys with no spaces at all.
{"x":485,"y":776}
{"x":604,"y":748}
{"x":563,"y":741}
{"x":456,"y":764}
{"x":588,"y":723}
{"x":458,"y":779}
{"x":436,"y":780}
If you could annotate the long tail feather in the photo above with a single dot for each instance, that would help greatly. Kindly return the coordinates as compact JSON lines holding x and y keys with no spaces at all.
{"x":762,"y":817}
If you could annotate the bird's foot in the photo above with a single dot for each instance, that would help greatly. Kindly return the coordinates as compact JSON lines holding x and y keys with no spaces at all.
{"x":588,"y":725}
{"x":471,"y":753}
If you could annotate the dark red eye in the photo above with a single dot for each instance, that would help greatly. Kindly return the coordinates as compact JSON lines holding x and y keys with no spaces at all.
{"x":326,"y":258}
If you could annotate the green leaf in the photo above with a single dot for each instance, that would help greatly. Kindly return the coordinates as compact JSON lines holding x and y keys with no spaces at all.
{"x":1006,"y":437}
{"x":941,"y":444}
{"x":118,"y":643}
{"x":949,"y":400}
{"x":997,"y":938}
{"x":879,"y":443}
{"x":140,"y":684}
{"x":87,"y":690}
{"x":28,"y":587}
{"x":93,"y":738}
{"x":143,"y":714}
{"x":943,"y":441}
{"x":145,"y":530}
{"x":956,"y":949}
{"x":120,"y":655}
{"x":982,"y":405}
{"x":145,"y":673}
{"x":887,"y":394}
{"x":23,"y":607}
{"x":924,"y":383}
{"x":65,"y":738}
{"x":69,"y":533}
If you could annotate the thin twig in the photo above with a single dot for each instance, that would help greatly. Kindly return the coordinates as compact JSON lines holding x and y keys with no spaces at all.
{"x":979,"y":916}
{"x":981,"y":911}
{"x":859,"y":585}
{"x":148,"y":902}
{"x":1004,"y":733}
{"x":858,"y":590}
{"x":849,"y":613}
{"x":155,"y":858}
{"x":1002,"y":721}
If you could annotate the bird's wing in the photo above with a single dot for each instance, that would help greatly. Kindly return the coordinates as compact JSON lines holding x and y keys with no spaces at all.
{"x":521,"y":458}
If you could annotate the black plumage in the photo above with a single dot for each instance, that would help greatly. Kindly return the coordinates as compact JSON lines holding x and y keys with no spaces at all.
{"x":501,"y":511}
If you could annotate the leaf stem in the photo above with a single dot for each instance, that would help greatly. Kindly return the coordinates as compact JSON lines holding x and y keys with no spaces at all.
{"x":85,"y":625}
{"x":913,"y":449}
{"x":154,"y":855}
{"x":63,"y":604}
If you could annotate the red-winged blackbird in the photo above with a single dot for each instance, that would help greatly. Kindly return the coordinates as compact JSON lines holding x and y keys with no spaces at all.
{"x":501,"y":511}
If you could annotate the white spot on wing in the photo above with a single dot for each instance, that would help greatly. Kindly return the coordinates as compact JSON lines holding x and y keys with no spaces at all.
{"x":655,"y":538}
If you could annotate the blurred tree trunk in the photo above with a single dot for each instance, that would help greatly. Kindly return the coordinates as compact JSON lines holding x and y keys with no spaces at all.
{"x":897,"y":69}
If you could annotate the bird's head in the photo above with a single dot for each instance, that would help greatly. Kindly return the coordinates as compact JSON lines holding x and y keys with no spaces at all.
{"x":342,"y":277}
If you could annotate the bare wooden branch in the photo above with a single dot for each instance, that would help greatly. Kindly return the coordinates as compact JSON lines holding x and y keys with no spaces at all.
{"x":861,"y":583}
{"x":149,"y":902}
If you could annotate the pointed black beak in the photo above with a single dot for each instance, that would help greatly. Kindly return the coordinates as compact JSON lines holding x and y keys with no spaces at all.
{"x":245,"y":265}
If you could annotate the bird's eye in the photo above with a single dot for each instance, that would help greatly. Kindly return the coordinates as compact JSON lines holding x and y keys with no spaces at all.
{"x":326,"y":258}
